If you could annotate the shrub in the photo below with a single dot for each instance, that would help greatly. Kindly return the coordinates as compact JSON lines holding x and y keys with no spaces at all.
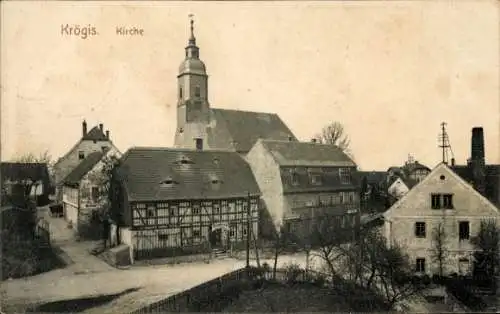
{"x":319,"y":280}
{"x":292,"y":272}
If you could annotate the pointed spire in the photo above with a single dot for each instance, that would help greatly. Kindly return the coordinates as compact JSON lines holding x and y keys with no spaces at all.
{"x":192,"y":39}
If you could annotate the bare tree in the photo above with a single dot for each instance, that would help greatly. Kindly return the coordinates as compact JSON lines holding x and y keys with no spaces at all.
{"x":334,"y":134}
{"x":395,"y":276}
{"x":439,"y":252}
{"x":332,"y":241}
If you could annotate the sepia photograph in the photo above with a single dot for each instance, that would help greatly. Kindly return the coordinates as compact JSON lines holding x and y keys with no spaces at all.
{"x":250,"y":156}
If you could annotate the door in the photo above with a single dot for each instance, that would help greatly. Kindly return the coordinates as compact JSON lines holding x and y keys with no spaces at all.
{"x":216,"y":238}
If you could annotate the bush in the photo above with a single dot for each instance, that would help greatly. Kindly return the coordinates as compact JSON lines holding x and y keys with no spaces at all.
{"x":292,"y":272}
{"x":439,"y":280}
{"x":459,"y":290}
{"x":319,"y":280}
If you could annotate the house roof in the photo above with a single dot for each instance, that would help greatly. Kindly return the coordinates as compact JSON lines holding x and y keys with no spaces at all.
{"x":17,"y":171}
{"x":185,"y":174}
{"x":492,"y":180}
{"x":76,"y":175}
{"x":409,"y":167}
{"x":245,"y":127}
{"x":95,"y":134}
{"x":373,"y":177}
{"x":294,"y":153}
{"x":453,"y":174}
{"x":406,"y":180}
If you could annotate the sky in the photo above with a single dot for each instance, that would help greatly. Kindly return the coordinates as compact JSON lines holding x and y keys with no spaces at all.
{"x":390,"y":72}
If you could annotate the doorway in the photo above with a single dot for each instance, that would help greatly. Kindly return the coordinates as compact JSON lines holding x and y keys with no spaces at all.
{"x":216,"y":238}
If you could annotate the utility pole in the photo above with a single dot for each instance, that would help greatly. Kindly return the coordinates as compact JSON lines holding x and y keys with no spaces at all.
{"x":248,"y":230}
{"x":444,"y":144}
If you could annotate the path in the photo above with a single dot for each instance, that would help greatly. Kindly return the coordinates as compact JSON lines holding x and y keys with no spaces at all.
{"x":76,"y":253}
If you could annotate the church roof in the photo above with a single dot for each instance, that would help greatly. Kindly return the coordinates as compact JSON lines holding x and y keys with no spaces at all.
{"x":294,"y":153}
{"x":245,"y":127}
{"x":95,"y":134}
{"x":158,"y":174}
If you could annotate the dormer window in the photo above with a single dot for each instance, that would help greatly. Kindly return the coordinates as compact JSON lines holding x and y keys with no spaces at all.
{"x":215,"y":179}
{"x":345,"y":175}
{"x":316,"y":179}
{"x":184,"y":160}
{"x":168,"y":181}
{"x":295,"y":179}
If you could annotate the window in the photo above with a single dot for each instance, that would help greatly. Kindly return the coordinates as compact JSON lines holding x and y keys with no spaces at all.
{"x":295,"y":178}
{"x":162,"y":237}
{"x":81,"y":155}
{"x":232,"y":230}
{"x":180,"y":92}
{"x":95,"y":193}
{"x":199,"y":143}
{"x":197,"y":92}
{"x":196,"y":209}
{"x":435,"y":201}
{"x":345,"y":175}
{"x":420,"y":265}
{"x":244,"y":230}
{"x":150,"y":212}
{"x":448,"y":201}
{"x":315,"y":178}
{"x":196,"y":233}
{"x":463,"y":230}
{"x":420,"y":229}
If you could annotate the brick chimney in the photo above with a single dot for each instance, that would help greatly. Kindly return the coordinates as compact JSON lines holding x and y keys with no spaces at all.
{"x":477,"y":160}
{"x":84,"y":128}
{"x":107,"y":134}
{"x":101,"y":126}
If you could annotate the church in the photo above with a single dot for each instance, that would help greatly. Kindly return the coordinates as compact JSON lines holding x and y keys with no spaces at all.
{"x":204,"y":128}
{"x":233,"y":176}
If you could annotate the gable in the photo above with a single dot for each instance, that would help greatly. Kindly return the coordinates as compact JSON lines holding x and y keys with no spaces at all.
{"x":466,"y":200}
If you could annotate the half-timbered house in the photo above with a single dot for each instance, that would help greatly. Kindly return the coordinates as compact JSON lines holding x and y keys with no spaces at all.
{"x":171,"y":202}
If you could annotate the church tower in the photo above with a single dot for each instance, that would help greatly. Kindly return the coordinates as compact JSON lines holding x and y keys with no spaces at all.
{"x":193,"y":109}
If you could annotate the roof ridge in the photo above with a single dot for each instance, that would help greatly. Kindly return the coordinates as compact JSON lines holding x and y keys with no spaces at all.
{"x":180,"y":149}
{"x":246,"y":111}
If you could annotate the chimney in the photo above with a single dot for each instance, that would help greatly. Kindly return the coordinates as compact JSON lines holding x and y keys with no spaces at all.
{"x":477,"y":144}
{"x":477,"y":161}
{"x":107,"y":134}
{"x":101,"y":126}
{"x":84,"y":128}
{"x":313,"y":140}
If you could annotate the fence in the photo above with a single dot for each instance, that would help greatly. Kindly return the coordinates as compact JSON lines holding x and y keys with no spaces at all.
{"x":204,"y":295}
{"x":214,"y":295}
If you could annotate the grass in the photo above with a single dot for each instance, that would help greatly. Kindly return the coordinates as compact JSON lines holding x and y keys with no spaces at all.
{"x":303,"y":297}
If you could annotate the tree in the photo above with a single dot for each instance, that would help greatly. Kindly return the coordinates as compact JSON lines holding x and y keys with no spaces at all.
{"x":487,"y":242}
{"x":439,"y":252}
{"x":334,"y":134}
{"x":332,"y":241}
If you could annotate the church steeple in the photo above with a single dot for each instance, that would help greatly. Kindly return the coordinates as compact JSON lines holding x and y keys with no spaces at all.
{"x":192,"y":51}
{"x":193,"y":108}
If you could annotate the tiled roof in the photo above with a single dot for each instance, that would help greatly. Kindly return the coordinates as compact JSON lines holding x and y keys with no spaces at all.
{"x":492,"y":189}
{"x":186,"y":174}
{"x":293,"y":153}
{"x":412,"y":166}
{"x":15,"y":171}
{"x":75,"y":176}
{"x":95,"y":134}
{"x":245,"y":127}
{"x":373,"y":177}
{"x":410,"y":183}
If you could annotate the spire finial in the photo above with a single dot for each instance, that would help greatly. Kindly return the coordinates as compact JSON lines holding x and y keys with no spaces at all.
{"x":192,"y":26}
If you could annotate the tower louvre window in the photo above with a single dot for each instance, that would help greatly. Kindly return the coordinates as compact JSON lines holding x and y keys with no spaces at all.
{"x":180,"y":92}
{"x":197,"y":92}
